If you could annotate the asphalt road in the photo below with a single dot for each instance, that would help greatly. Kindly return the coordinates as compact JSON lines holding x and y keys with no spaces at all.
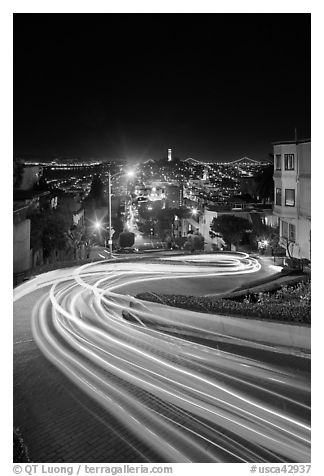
{"x":225,"y":275}
{"x":98,"y":377}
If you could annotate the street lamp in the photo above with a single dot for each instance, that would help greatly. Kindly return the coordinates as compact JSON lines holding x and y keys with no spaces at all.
{"x":130,"y":173}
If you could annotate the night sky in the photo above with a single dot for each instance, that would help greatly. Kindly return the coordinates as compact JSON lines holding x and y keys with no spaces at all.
{"x":211,"y":86}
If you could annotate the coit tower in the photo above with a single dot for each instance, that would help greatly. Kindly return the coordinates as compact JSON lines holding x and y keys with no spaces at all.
{"x":169,"y":155}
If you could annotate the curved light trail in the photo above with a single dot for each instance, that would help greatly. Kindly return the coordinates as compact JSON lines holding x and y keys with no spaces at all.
{"x":166,"y":380}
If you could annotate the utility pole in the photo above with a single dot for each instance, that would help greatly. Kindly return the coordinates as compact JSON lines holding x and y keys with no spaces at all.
{"x":109,"y":215}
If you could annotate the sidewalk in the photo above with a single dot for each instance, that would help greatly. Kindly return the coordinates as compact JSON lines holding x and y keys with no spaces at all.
{"x":57,"y":421}
{"x":271,"y":283}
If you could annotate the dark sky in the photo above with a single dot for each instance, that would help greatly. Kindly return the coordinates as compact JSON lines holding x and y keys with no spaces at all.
{"x":211,"y":86}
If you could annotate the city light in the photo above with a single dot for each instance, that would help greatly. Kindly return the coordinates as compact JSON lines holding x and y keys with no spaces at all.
{"x":142,"y":279}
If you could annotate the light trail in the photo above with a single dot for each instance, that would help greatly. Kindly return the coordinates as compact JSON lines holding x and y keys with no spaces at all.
{"x":188,"y":401}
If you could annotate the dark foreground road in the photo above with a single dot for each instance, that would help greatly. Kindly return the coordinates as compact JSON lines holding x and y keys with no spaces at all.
{"x":99,"y":380}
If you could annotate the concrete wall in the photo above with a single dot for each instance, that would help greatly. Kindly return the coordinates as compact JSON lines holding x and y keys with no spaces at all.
{"x":304,"y":230}
{"x":21,"y":246}
{"x":304,"y":158}
{"x":273,"y":333}
{"x":304,"y":192}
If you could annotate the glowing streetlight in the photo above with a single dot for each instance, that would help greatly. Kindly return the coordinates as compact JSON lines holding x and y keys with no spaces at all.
{"x":97,"y":225}
{"x":194,"y":211}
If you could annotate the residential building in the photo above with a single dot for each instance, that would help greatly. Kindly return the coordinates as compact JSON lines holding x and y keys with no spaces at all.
{"x":292,"y":191}
{"x":174,"y":195}
{"x":202,"y":217}
{"x":21,"y":239}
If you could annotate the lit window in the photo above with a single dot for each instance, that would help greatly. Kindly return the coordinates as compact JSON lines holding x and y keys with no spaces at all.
{"x":278,"y":161}
{"x":290,"y":197}
{"x":278,"y":196}
{"x":289,"y":161}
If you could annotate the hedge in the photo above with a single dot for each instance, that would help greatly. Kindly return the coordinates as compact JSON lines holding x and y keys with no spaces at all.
{"x":274,"y":311}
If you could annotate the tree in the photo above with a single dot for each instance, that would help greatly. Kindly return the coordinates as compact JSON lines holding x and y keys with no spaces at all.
{"x":145,"y":226}
{"x":269,"y":233}
{"x":180,"y":241}
{"x":195,"y":241}
{"x":182,"y":212}
{"x":265,"y":183}
{"x":97,"y":191}
{"x":164,"y":222}
{"x":49,"y":231}
{"x":126,"y":239}
{"x":117,"y":224}
{"x":231,"y":227}
{"x":76,"y":237}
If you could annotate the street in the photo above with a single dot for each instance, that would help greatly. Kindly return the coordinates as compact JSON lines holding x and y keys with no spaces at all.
{"x":121,"y":382}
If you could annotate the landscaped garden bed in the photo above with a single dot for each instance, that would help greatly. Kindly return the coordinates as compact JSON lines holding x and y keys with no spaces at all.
{"x":289,"y":304}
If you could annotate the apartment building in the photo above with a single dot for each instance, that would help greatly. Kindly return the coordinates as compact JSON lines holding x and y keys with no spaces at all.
{"x":292,"y":202}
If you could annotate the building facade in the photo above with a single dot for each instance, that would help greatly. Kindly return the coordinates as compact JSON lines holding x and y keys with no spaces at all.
{"x":21,"y":240}
{"x":292,"y":196}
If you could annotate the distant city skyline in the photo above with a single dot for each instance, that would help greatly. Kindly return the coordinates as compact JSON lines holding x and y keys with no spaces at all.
{"x":210,"y":86}
{"x":33,"y":159}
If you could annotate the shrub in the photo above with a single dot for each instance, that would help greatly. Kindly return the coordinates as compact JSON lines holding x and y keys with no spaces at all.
{"x":293,"y":294}
{"x":126,"y":239}
{"x":187,"y":246}
{"x":195,"y":241}
{"x":299,"y":312}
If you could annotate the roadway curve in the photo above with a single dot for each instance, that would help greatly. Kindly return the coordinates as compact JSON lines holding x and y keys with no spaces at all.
{"x":188,"y":394}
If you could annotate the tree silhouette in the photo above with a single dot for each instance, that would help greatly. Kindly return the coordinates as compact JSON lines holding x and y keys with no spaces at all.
{"x":97,"y":191}
{"x":126,"y":239}
{"x":48,"y":231}
{"x":75,"y":238}
{"x":232,"y":228}
{"x":265,"y":183}
{"x":195,"y":241}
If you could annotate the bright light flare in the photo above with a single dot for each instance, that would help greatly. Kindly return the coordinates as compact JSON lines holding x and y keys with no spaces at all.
{"x":90,"y":331}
